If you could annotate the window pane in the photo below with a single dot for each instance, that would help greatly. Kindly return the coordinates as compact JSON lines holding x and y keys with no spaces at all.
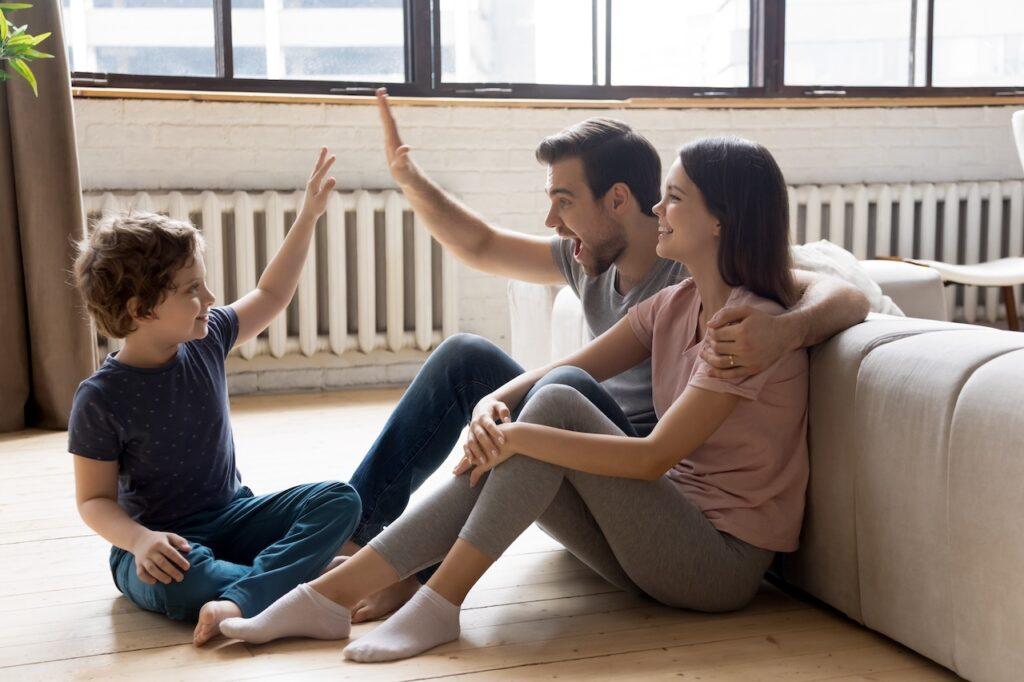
{"x":850,"y":42}
{"x":152,"y":37}
{"x":666,"y":42}
{"x":343,"y":40}
{"x":978,"y":43}
{"x":517,"y":41}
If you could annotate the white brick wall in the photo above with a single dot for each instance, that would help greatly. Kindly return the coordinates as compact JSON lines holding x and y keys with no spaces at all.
{"x":485,"y":155}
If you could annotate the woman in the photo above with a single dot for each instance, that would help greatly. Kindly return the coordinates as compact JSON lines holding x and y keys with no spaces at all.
{"x":690,"y":515}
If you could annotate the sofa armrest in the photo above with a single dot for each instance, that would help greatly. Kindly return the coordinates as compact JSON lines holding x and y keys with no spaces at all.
{"x":568,"y":329}
{"x":917,"y":290}
{"x":529,"y":307}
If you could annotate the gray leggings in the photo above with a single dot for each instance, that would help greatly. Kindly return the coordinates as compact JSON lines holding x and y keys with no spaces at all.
{"x":641,"y":536}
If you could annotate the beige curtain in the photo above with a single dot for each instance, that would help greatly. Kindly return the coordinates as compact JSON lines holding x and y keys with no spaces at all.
{"x":45,"y":340}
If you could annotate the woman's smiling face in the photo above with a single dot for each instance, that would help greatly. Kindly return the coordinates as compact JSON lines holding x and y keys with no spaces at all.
{"x":686,"y":229}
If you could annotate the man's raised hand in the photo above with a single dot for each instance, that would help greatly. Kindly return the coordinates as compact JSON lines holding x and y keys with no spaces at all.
{"x":403,"y":169}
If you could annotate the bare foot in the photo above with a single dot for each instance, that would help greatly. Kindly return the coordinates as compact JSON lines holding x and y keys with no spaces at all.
{"x":386,"y":601}
{"x":210,"y":616}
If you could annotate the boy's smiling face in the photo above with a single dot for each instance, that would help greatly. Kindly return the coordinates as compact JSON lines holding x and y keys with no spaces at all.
{"x":183,"y":313}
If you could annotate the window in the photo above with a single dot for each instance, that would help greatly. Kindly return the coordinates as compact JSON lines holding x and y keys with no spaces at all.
{"x":517,"y":41}
{"x":333,"y":40}
{"x":701,"y":43}
{"x":150,"y":37}
{"x":601,"y":49}
{"x":850,"y":42}
{"x":979,"y":43}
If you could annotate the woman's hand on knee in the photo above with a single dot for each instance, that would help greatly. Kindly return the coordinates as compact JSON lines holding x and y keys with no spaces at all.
{"x":484,"y":437}
{"x":493,"y":458}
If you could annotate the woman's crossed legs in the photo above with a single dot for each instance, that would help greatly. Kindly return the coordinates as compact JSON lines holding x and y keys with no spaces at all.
{"x":639,"y":535}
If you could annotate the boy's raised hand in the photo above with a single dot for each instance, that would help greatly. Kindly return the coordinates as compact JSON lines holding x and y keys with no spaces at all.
{"x":403,"y":168}
{"x":318,"y":190}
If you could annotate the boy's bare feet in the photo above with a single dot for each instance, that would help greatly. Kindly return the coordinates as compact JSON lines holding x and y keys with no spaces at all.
{"x":210,"y":617}
{"x":386,"y":601}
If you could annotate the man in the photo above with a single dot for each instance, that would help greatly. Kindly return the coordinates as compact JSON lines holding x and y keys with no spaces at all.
{"x":603,"y":180}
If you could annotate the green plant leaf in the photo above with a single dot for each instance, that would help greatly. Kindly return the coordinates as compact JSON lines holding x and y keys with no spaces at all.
{"x":3,"y":27}
{"x":26,"y":39}
{"x":18,"y":30}
{"x":31,"y":53}
{"x":3,"y":75}
{"x":26,"y":73}
{"x":14,"y":5}
{"x":22,"y":39}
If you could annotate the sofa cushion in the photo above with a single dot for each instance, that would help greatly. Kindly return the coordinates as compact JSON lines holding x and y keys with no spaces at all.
{"x":906,"y":394}
{"x":826,"y":563}
{"x":986,"y":521}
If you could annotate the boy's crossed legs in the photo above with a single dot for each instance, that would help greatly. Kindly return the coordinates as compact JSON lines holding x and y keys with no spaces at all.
{"x":247,"y":554}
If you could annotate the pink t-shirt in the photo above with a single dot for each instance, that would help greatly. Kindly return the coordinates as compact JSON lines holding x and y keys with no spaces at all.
{"x":750,"y":477}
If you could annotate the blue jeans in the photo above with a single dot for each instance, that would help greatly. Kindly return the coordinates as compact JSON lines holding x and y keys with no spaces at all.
{"x":426,"y":424}
{"x":250,"y":552}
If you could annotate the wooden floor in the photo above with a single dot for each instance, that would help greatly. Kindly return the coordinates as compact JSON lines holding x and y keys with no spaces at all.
{"x":538,"y":613}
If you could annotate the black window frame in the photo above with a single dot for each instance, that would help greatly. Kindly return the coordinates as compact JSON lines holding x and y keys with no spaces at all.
{"x":423,"y":69}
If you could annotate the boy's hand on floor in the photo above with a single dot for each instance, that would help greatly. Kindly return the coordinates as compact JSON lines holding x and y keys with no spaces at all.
{"x":318,"y":190}
{"x":158,"y":557}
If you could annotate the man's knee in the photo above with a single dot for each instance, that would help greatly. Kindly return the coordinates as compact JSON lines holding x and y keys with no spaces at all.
{"x":465,"y":348}
{"x":462,"y":357}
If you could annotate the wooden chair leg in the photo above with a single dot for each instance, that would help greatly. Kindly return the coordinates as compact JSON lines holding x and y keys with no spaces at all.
{"x":1012,"y":323}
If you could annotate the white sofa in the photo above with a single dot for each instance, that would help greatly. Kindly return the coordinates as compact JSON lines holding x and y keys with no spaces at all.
{"x":915,"y":510}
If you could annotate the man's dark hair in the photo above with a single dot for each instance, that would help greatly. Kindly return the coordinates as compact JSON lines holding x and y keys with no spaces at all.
{"x":611,"y":152}
{"x":743,"y":188}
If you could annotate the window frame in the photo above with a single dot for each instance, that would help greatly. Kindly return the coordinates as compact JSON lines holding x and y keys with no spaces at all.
{"x":423,"y":69}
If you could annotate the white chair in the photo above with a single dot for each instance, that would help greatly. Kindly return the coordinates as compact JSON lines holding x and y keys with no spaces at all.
{"x":1005,"y":273}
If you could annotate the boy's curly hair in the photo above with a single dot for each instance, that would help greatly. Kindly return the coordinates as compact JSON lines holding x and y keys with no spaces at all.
{"x":131,"y":255}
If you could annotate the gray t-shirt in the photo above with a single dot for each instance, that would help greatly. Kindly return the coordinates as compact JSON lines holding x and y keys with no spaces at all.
{"x":603,"y":306}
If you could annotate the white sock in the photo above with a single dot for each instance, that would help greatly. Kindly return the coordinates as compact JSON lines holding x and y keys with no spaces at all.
{"x":302,"y":612}
{"x":427,"y":620}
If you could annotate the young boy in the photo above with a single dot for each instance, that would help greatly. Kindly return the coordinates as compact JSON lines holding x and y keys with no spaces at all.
{"x":155,"y":467}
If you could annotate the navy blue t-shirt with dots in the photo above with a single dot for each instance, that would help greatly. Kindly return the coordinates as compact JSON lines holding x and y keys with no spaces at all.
{"x":167,"y":427}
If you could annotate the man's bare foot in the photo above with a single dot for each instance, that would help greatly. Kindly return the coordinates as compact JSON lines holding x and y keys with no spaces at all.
{"x":210,"y":616}
{"x":385,"y":602}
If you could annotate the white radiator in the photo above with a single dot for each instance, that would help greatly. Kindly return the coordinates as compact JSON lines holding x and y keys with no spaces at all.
{"x":914,"y":220}
{"x":372,"y":281}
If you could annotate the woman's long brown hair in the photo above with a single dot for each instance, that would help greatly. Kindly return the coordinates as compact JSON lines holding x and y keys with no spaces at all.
{"x":744,"y":189}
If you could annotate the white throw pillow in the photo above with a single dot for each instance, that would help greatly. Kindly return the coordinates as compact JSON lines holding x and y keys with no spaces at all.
{"x":831,"y":259}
